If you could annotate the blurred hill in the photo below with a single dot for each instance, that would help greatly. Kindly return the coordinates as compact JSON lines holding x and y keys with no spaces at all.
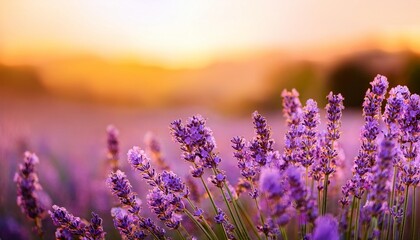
{"x":233,"y":87}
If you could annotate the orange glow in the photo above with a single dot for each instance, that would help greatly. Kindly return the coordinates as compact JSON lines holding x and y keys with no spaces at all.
{"x":193,"y":34}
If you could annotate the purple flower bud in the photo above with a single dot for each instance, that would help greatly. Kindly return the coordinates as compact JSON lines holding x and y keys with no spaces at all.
{"x":121,"y":187}
{"x":326,"y":227}
{"x":28,"y":189}
{"x":65,"y":220}
{"x":113,"y":146}
{"x":272,"y":183}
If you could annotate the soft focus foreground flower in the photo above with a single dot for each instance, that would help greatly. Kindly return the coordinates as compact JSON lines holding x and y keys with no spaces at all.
{"x":28,"y":188}
{"x":76,"y":226}
{"x":326,"y":227}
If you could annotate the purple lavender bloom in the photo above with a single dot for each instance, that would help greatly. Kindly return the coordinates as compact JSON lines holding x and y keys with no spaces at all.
{"x":394,"y":109}
{"x":410,"y":127}
{"x":95,"y":228}
{"x":218,"y":180}
{"x":261,"y":146}
{"x":309,"y":141}
{"x":242,"y":154}
{"x":299,"y":193}
{"x":121,"y":187}
{"x":275,"y":187}
{"x":113,"y":146}
{"x":197,"y":143}
{"x":272,"y":183}
{"x":127,"y":224}
{"x":154,"y":148}
{"x":66,"y":220}
{"x":27,"y":189}
{"x":173,"y":184}
{"x":292,"y":108}
{"x":63,"y":234}
{"x":167,"y":207}
{"x":138,"y":159}
{"x":376,"y":204}
{"x":326,"y":227}
{"x":221,"y":218}
{"x":366,"y":157}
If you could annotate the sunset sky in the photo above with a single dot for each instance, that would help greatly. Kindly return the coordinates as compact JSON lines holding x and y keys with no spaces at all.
{"x":194,"y":33}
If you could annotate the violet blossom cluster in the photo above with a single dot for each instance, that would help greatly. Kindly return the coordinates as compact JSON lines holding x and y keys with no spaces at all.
{"x":278,"y":184}
{"x":28,"y":188}
{"x":292,"y":110}
{"x":366,"y":157}
{"x":67,"y":225}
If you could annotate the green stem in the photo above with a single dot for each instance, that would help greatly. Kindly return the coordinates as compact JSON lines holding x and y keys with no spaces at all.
{"x":180,"y":234}
{"x":413,"y":218}
{"x":206,"y":225}
{"x":350,"y":222}
{"x":324,"y":195}
{"x":240,"y":230}
{"x":356,"y":230}
{"x":248,"y":219}
{"x":283,"y":233}
{"x":198,"y":224}
{"x":404,"y":212}
{"x":209,"y":194}
{"x":391,"y":202}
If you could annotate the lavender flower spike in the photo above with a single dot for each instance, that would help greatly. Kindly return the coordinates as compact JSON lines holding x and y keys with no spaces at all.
{"x":309,"y":141}
{"x":121,"y":187}
{"x":113,"y":146}
{"x":153,"y":146}
{"x":63,"y":219}
{"x":292,"y":108}
{"x":394,"y":109}
{"x":27,"y":187}
{"x":261,"y":147}
{"x":326,"y":227}
{"x":138,"y":159}
{"x":69,"y":224}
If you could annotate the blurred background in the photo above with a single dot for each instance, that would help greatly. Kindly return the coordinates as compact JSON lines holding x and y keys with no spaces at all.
{"x":70,"y":68}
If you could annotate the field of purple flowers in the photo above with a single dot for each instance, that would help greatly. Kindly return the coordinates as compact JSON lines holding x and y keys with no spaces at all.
{"x":326,"y":177}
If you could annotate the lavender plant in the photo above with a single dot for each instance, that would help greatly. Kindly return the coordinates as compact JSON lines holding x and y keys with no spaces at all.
{"x":279,"y":185}
{"x":28,"y":188}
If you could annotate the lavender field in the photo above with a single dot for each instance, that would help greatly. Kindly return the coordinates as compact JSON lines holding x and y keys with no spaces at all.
{"x":305,"y":172}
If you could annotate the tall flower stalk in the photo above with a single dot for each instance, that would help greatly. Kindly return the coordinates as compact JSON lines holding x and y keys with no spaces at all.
{"x":329,"y":152}
{"x":28,"y":188}
{"x":366,"y":157}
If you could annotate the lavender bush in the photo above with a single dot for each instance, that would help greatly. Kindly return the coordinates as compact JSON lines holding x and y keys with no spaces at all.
{"x":279,"y":194}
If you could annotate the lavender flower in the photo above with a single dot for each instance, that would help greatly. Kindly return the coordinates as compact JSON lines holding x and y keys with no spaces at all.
{"x":127,"y":224}
{"x":309,"y":142}
{"x":95,"y":228}
{"x":113,"y":146}
{"x":326,"y":227}
{"x":366,"y":157}
{"x":376,"y":204}
{"x":167,"y":207}
{"x":70,"y":225}
{"x":292,"y":108}
{"x":63,"y":234}
{"x":261,"y":147}
{"x":274,"y":186}
{"x":196,"y":141}
{"x":154,"y":148}
{"x":138,"y":159}
{"x":66,"y":220}
{"x":221,"y":218}
{"x":394,"y":109}
{"x":121,"y":187}
{"x":27,"y":190}
{"x":298,"y":191}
